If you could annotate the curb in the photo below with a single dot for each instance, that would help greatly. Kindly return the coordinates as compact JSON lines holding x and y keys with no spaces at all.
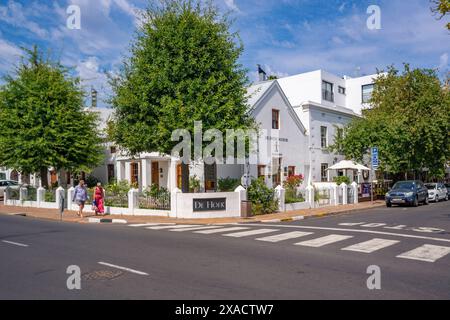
{"x":297,"y":218}
{"x":106,"y":220}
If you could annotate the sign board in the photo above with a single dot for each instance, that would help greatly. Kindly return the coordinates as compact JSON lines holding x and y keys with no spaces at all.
{"x":218,"y":204}
{"x":366,"y":190}
{"x":375,"y":159}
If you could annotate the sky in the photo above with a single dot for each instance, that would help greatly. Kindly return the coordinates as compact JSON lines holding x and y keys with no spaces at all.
{"x":285,"y":36}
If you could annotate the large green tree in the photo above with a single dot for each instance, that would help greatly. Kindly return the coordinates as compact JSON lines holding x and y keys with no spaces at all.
{"x":441,"y":8}
{"x":409,"y":122}
{"x":42,"y":119}
{"x":183,"y":67}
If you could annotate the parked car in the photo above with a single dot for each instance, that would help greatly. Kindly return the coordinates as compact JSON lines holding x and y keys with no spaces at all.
{"x":437,"y":192}
{"x":407,"y":192}
{"x":8,"y":183}
{"x":447,"y":185}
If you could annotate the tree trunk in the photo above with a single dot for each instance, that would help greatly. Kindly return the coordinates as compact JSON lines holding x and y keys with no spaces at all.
{"x":44,"y":177}
{"x":184,"y":177}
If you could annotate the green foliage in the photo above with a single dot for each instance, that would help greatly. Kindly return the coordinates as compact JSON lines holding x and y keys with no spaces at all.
{"x":341,"y":179}
{"x":409,"y":123}
{"x":156,"y":192}
{"x":291,"y":185}
{"x":42,"y":121}
{"x":262,"y":198}
{"x":183,"y":67}
{"x":228,"y":184}
{"x":117,"y":194}
{"x":91,"y":181}
{"x":441,"y":8}
{"x":194,"y":184}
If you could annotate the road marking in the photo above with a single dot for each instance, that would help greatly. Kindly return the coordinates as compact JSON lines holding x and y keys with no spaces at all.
{"x":179,"y":226}
{"x":320,"y":242}
{"x":124,"y":268}
{"x":427,"y":253}
{"x":150,"y":225}
{"x":399,"y":227}
{"x":351,"y":224}
{"x":249,"y":233}
{"x":371,"y":245}
{"x":15,"y":243}
{"x":374,"y":225}
{"x":193,"y":229}
{"x":285,"y":236}
{"x":221,"y":230}
{"x":352,"y":230}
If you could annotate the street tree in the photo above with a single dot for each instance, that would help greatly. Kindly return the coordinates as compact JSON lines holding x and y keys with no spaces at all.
{"x":441,"y":8}
{"x":183,"y":67}
{"x":42,"y":119}
{"x":409,"y":122}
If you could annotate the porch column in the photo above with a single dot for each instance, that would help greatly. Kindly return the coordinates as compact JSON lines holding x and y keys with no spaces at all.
{"x":145,"y":173}
{"x":120,"y":171}
{"x":173,"y":183}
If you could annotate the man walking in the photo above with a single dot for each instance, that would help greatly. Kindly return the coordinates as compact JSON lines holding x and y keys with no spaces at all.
{"x":80,"y":196}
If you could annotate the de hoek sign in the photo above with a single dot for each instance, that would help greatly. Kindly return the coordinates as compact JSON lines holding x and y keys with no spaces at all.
{"x":218,"y":204}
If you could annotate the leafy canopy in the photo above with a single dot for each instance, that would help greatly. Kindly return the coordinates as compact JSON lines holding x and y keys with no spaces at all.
{"x":409,"y":122}
{"x":183,"y":68}
{"x":42,"y":120}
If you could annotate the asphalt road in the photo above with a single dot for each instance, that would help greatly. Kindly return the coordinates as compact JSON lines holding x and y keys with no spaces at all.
{"x":135,"y":262}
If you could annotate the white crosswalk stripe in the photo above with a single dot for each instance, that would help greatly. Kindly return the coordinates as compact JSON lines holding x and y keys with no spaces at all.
{"x":285,"y":236}
{"x":371,"y":245}
{"x":250,"y":233}
{"x":173,"y":226}
{"x":150,"y":225}
{"x":194,"y":229}
{"x":427,"y":253}
{"x":323,"y":241}
{"x":221,"y":230}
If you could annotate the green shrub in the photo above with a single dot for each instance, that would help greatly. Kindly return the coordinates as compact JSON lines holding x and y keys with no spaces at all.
{"x":194,"y":184}
{"x":91,"y":181}
{"x":228,"y":184}
{"x":341,"y":179}
{"x":262,"y":198}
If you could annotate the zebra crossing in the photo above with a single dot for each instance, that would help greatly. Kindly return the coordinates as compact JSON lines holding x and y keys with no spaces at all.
{"x":425,"y":253}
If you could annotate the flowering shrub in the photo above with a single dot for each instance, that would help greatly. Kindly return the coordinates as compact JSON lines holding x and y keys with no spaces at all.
{"x":293,"y":182}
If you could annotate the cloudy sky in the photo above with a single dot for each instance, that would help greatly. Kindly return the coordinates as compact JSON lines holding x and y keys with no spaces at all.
{"x":285,"y":36}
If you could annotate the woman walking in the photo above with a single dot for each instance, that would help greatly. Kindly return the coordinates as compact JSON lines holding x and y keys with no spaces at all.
{"x":80,"y":196}
{"x":99,"y":200}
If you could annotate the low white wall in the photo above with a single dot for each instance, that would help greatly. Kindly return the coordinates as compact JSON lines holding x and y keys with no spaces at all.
{"x":183,"y":208}
{"x":297,"y":206}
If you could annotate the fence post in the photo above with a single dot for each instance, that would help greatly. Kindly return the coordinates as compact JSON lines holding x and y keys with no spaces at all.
{"x":70,"y":192}
{"x":40,"y":196}
{"x":132,"y":200}
{"x":6,"y":196}
{"x":355,"y":192}
{"x":334,"y":191}
{"x":173,"y":202}
{"x":22,"y":195}
{"x":310,"y":196}
{"x":344,"y":193}
{"x":281,"y":196}
{"x":242,"y":197}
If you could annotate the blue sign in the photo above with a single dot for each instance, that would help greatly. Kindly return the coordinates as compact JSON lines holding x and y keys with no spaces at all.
{"x":375,"y":159}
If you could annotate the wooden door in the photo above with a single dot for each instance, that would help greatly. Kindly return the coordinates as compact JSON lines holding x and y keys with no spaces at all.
{"x":155,"y":173}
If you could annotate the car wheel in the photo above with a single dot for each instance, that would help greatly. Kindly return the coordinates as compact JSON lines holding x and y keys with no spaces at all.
{"x":446,"y":197}
{"x":426,"y":202}
{"x":388,"y":204}
{"x":416,"y":202}
{"x":436,"y":199}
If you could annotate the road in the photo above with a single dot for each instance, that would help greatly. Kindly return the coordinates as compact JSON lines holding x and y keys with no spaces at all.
{"x":323,"y":258}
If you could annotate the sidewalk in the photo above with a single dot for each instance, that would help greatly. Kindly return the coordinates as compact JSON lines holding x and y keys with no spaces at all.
{"x":70,"y":216}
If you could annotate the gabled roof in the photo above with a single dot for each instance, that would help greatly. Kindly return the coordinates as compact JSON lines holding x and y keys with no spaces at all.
{"x":258,"y":92}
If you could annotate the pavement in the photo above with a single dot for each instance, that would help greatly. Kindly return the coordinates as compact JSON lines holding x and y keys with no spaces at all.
{"x":70,"y":216}
{"x":316,"y":258}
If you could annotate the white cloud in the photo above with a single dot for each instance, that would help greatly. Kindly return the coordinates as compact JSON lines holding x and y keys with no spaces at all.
{"x":18,"y":16}
{"x":232,"y":5}
{"x":90,"y":72}
{"x":443,"y":62}
{"x":10,"y":55}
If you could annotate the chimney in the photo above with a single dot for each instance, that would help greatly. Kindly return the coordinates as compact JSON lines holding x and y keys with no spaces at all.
{"x":93,"y":98}
{"x":262,"y":74}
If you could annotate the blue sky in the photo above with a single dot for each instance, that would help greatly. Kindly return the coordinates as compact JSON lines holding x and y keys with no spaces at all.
{"x":285,"y":36}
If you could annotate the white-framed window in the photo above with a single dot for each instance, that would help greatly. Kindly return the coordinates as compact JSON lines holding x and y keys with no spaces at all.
{"x":324,"y":137}
{"x":341,"y":90}
{"x":367,"y":91}
{"x":324,"y":172}
{"x":327,"y":91}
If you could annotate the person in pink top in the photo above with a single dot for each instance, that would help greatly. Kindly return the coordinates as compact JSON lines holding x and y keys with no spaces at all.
{"x":99,"y":200}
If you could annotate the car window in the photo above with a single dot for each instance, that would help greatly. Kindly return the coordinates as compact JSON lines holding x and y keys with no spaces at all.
{"x":2,"y":184}
{"x":430,"y":186}
{"x":403,"y":185}
{"x":13,"y":183}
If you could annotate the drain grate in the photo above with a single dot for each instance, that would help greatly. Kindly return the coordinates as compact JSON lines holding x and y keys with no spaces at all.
{"x":102,"y":275}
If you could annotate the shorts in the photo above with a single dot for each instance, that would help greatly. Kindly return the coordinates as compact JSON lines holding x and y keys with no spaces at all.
{"x":80,"y":203}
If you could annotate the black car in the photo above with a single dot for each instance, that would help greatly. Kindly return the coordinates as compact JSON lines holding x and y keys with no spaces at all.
{"x":407,"y":192}
{"x":447,"y":185}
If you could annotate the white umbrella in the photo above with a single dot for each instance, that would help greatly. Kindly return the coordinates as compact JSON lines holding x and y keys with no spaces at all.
{"x":348,"y":165}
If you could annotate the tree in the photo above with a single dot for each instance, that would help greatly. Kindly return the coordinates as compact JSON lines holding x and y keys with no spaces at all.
{"x":409,"y":122}
{"x":183,"y":67}
{"x":42,"y":120}
{"x":441,"y":8}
